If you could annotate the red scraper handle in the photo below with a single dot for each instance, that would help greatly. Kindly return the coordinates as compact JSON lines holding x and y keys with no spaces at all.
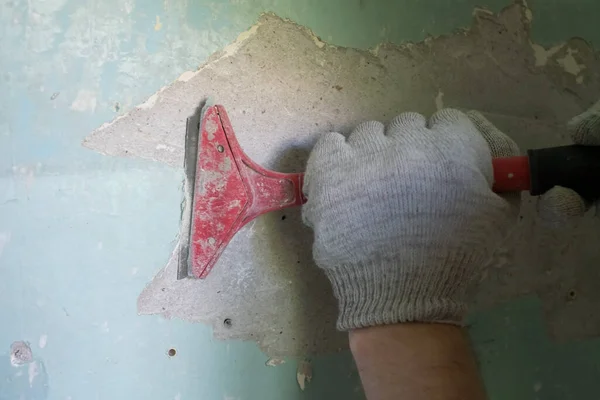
{"x":231,"y":190}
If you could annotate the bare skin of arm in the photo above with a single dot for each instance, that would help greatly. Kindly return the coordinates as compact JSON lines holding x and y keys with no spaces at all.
{"x":415,"y":361}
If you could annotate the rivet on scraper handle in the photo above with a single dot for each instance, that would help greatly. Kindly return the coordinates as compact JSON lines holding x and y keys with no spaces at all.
{"x":231,"y":190}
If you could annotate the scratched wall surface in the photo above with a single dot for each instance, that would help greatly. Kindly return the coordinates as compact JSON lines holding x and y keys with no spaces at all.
{"x":81,"y":234}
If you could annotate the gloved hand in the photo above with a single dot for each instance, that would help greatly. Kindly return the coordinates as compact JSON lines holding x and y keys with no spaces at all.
{"x":404,"y":216}
{"x":560,"y":204}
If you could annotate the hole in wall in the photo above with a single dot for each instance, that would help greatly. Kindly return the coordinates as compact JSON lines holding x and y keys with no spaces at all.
{"x":172,"y":352}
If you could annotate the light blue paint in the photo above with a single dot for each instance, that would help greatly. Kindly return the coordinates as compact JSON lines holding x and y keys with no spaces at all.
{"x":518,"y":360}
{"x":81,"y":234}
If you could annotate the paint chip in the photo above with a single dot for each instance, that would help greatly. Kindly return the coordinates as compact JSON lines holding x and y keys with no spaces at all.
{"x":43,"y":341}
{"x":569,"y":63}
{"x":274,"y":362}
{"x":20,"y":353}
{"x":304,"y":374}
{"x":233,"y":48}
{"x":158,"y":25}
{"x":152,"y":100}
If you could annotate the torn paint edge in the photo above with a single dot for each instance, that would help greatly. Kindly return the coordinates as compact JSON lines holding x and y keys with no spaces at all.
{"x":304,"y":374}
{"x":229,"y":50}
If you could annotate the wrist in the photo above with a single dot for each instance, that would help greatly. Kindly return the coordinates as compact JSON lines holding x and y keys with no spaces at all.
{"x":411,"y":335}
{"x":417,"y":361}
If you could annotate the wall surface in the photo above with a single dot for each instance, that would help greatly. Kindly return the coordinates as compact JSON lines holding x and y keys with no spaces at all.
{"x":82,"y":234}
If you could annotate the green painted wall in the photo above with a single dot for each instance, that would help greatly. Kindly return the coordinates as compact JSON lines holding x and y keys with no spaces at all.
{"x":81,"y":234}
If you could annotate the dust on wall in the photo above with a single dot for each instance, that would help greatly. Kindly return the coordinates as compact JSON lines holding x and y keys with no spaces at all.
{"x":282,"y":86}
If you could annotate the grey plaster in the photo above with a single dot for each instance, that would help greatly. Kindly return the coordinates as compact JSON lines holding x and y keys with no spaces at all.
{"x":282,"y":87}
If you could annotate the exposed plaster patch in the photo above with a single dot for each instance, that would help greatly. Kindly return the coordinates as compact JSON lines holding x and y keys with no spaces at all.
{"x":542,"y":55}
{"x":151,"y":102}
{"x":569,"y":63}
{"x":20,"y":353}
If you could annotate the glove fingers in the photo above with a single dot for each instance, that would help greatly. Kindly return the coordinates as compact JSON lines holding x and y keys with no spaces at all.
{"x":447,"y":117}
{"x":499,"y":143}
{"x":559,"y":205}
{"x":408,"y":121}
{"x":367,"y":134}
{"x":329,"y":146}
{"x":585,"y":128}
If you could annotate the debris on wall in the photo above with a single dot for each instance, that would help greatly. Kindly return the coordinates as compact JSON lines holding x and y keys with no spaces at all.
{"x":304,"y":374}
{"x":26,"y":378}
{"x":282,"y":87}
{"x":20,"y":353}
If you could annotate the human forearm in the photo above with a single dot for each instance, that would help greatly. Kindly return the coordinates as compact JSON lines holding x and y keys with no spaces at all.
{"x":414,"y":361}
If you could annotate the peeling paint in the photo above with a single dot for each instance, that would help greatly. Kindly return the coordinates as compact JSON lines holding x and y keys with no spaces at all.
{"x":304,"y":374}
{"x":20,"y":353}
{"x":542,"y":55}
{"x":569,"y":63}
{"x":274,"y":362}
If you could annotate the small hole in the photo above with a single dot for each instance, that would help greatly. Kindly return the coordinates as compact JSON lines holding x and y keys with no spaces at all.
{"x":227,"y":322}
{"x":220,"y":148}
{"x":283,"y":217}
{"x":572,"y":295}
{"x":172,"y":352}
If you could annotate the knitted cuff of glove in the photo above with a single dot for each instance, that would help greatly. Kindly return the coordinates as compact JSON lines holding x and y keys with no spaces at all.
{"x":386,"y":292}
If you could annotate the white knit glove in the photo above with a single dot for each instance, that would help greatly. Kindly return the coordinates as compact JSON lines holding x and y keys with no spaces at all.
{"x":560,"y":204}
{"x":404,"y":216}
